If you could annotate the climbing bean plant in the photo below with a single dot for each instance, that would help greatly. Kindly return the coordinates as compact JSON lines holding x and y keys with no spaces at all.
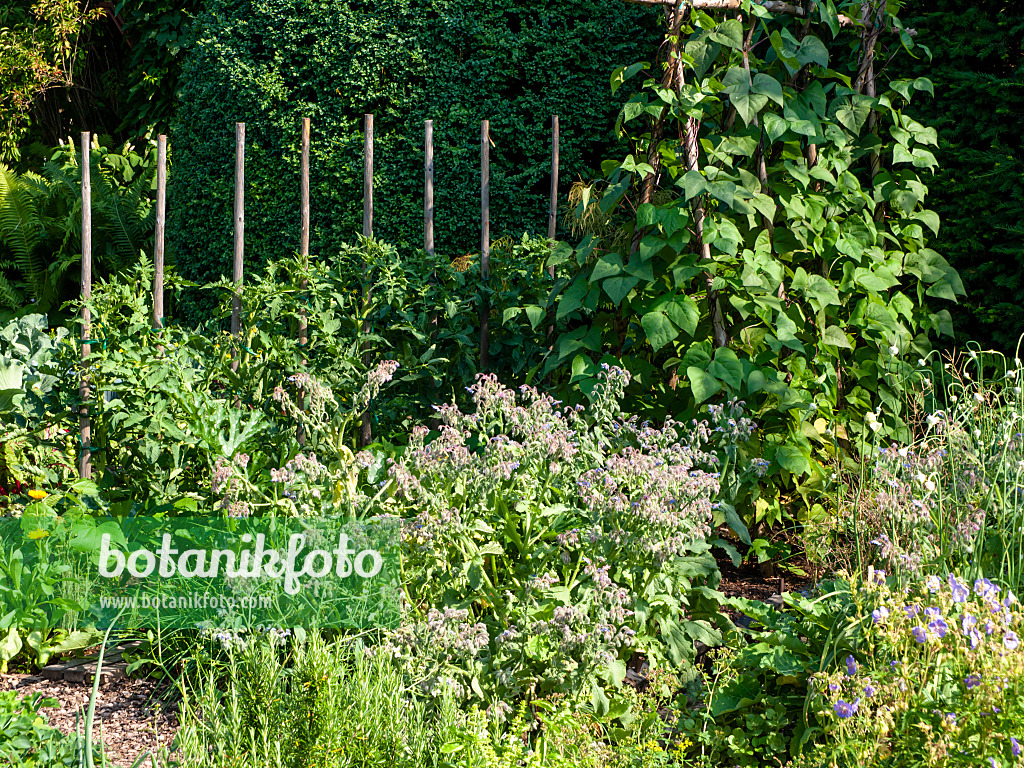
{"x":766,"y":238}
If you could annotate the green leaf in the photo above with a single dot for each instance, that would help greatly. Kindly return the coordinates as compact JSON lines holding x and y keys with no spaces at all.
{"x":812,"y":51}
{"x":774,"y":126}
{"x":572,"y":299}
{"x":727,"y":367}
{"x":693,"y":184}
{"x":659,"y":329}
{"x":685,"y":313}
{"x":610,"y":265}
{"x":622,"y":74}
{"x":728,"y":33}
{"x":598,"y":699}
{"x":768,"y":86}
{"x":618,"y":288}
{"x":535,"y":314}
{"x":820,"y":292}
{"x":834,"y":335}
{"x":791,"y":458}
{"x":737,"y":85}
{"x":702,"y":384}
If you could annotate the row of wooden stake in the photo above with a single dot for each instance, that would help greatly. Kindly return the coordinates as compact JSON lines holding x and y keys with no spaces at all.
{"x":84,"y":421}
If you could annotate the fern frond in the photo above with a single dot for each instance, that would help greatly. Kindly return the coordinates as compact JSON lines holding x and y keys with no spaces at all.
{"x":20,"y":228}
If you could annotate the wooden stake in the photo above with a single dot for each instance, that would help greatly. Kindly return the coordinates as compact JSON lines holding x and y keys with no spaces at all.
{"x":366,"y":428}
{"x":428,"y":188}
{"x":367,"y":175}
{"x":158,"y":236}
{"x":485,"y":240}
{"x":300,"y":433}
{"x":304,"y":213}
{"x":553,"y":209}
{"x":236,"y":302}
{"x":84,"y":424}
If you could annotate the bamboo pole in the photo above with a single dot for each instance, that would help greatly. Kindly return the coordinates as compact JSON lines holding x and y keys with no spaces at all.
{"x":485,"y":241}
{"x":236,"y":301}
{"x":158,"y":235}
{"x":366,"y":428}
{"x":84,"y":423}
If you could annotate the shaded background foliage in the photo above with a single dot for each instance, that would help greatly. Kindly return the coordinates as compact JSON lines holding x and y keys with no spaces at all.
{"x":271,"y":62}
{"x":977,"y":67}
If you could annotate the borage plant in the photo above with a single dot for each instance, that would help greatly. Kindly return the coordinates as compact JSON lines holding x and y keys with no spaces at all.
{"x":549,"y":545}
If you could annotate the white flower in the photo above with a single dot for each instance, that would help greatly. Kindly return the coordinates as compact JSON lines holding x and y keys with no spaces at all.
{"x":1016,"y":390}
{"x":903,"y":452}
{"x":977,"y":433}
{"x":927,"y":382}
{"x":934,"y":418}
{"x":833,"y":476}
{"x":920,"y":478}
{"x":974,"y":355}
{"x":922,"y":362}
{"x":954,"y":398}
{"x":929,"y":485}
{"x":894,"y":350}
{"x":979,"y":398}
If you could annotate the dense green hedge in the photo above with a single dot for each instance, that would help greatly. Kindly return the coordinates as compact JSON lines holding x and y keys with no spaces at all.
{"x":270,"y":62}
{"x":977,"y":67}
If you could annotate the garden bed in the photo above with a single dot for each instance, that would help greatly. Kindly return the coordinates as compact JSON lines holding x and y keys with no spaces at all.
{"x":133,"y":717}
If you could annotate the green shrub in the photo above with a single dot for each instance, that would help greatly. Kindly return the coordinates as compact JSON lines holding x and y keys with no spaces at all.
{"x":977,"y":66}
{"x":269,"y":63}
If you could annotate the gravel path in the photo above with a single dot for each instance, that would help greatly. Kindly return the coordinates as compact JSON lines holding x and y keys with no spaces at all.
{"x":128,"y":711}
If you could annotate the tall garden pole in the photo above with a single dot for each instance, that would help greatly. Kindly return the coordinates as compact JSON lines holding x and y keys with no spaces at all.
{"x":553,"y":208}
{"x":84,"y":424}
{"x":236,"y":301}
{"x":304,"y":213}
{"x":304,"y":256}
{"x":485,"y":241}
{"x":158,"y":236}
{"x":428,"y":202}
{"x":428,"y":188}
{"x":366,"y":428}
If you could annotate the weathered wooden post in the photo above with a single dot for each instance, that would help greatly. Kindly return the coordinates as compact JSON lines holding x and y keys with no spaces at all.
{"x":84,"y":423}
{"x":366,"y":428}
{"x":300,"y":433}
{"x":428,"y":188}
{"x":236,"y":302}
{"x":304,"y":227}
{"x":553,"y":211}
{"x":553,"y":208}
{"x":158,"y":235}
{"x":485,"y":241}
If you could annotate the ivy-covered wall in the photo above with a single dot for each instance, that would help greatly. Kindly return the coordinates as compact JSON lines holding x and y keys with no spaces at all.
{"x":271,"y":62}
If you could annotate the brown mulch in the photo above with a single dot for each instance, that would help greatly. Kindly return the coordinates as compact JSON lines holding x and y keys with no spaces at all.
{"x":758,"y":582}
{"x":129,"y":711}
